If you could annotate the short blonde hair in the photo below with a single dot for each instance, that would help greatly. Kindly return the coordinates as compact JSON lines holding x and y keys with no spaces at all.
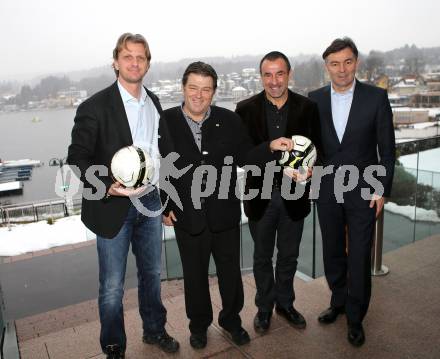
{"x":122,"y":44}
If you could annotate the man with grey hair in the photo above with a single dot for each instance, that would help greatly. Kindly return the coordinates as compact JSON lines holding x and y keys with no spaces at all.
{"x":356,"y":126}
{"x":126,"y":113}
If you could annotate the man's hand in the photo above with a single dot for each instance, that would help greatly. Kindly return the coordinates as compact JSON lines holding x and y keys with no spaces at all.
{"x":281,"y":144}
{"x":379,"y":202}
{"x":170,"y":219}
{"x":116,"y":189}
{"x":296,"y":175}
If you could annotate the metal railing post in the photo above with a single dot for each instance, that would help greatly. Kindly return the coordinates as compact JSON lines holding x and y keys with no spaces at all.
{"x":164,"y":243}
{"x":377,"y":268}
{"x":314,"y":241}
{"x":8,"y":220}
{"x":2,"y":322}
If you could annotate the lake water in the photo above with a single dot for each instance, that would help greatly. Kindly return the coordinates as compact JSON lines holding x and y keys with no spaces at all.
{"x":20,"y":137}
{"x":49,"y":138}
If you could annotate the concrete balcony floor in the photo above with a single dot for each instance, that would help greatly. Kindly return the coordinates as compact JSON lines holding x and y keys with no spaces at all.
{"x":403,"y":321}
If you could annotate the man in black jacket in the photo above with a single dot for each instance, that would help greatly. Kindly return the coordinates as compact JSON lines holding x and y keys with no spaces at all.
{"x":273,"y":113}
{"x":357,"y":125}
{"x":211,"y":142}
{"x":123,"y":114}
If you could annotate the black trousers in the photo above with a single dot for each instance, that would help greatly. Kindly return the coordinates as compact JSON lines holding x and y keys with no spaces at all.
{"x":348,"y":275}
{"x":275,"y":226}
{"x":195,"y":251}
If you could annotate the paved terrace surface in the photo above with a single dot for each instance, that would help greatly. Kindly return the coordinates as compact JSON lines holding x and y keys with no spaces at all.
{"x":403,"y":321}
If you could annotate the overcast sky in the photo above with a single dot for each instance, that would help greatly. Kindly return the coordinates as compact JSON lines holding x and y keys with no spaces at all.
{"x":47,"y":36}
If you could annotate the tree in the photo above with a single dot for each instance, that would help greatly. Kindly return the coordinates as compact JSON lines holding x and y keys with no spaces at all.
{"x":414,"y":62}
{"x":26,"y":94}
{"x":308,"y":75}
{"x":374,"y":64}
{"x":95,"y":84}
{"x":49,"y":86}
{"x":7,"y":87}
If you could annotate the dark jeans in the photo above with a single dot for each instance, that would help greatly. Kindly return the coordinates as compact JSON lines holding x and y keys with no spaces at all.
{"x":275,"y":224}
{"x":145,"y":235}
{"x":195,"y":251}
{"x":348,"y":275}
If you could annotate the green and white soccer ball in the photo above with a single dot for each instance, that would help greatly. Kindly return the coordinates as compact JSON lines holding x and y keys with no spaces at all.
{"x":302,"y":155}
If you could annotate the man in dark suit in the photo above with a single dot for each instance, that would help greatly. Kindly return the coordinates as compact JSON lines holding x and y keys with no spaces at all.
{"x":276,"y":112}
{"x":123,"y":114}
{"x":211,"y":142}
{"x":356,"y":126}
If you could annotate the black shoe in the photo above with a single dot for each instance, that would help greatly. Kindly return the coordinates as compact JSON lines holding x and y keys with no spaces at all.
{"x":262,"y":322}
{"x":239,"y":336}
{"x":329,"y":315}
{"x":294,"y":317}
{"x":164,"y":341}
{"x":356,"y":335}
{"x":114,"y":351}
{"x":198,"y":340}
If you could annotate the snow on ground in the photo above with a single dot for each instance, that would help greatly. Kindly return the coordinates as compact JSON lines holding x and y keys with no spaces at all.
{"x":425,"y":215}
{"x":37,"y":236}
{"x":422,"y":125}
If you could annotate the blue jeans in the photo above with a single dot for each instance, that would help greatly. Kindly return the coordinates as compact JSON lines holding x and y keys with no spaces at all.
{"x":145,"y":235}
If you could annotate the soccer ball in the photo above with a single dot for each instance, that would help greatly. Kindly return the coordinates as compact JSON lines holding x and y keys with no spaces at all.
{"x":302,"y":155}
{"x":131,"y":166}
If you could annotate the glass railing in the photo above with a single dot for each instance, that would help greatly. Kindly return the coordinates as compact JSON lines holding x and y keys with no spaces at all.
{"x":309,"y":250}
{"x":412,"y":213}
{"x":2,"y":323}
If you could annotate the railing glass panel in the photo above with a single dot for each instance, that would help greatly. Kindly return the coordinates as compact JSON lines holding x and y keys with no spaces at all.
{"x":247,"y":245}
{"x":171,"y":250}
{"x":412,"y":213}
{"x":399,"y":211}
{"x":307,"y":257}
{"x":428,"y":194}
{"x":2,"y":323}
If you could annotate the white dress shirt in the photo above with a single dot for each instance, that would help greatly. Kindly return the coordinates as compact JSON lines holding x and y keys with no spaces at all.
{"x":341,"y":104}
{"x":143,"y":119}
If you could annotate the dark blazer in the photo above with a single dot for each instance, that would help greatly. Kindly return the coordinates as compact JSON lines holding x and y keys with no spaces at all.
{"x":369,"y":131}
{"x":302,"y":119}
{"x":222,"y":135}
{"x":101,"y":128}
